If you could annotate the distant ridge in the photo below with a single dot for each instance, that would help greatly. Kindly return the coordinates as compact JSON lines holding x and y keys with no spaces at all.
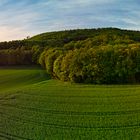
{"x":82,"y":34}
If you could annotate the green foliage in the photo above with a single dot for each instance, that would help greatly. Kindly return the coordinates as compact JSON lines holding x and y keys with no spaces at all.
{"x":50,"y":57}
{"x":42,"y":59}
{"x":65,"y":66}
{"x":36,"y":51}
{"x":57,"y":67}
{"x":100,"y":65}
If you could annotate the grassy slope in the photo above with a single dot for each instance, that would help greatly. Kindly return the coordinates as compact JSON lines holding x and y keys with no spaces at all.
{"x":54,"y":110}
{"x":15,"y":77}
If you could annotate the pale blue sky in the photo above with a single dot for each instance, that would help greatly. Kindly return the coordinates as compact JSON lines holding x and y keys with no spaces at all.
{"x":21,"y":18}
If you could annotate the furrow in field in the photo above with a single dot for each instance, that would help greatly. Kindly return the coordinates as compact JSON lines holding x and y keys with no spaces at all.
{"x":77,"y":126}
{"x":48,"y":111}
{"x":46,"y":95}
{"x":98,"y":107}
{"x":77,"y":99}
{"x":12,"y":136}
{"x":34,"y":109}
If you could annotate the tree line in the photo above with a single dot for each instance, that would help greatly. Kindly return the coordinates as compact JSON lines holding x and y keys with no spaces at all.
{"x":17,"y":56}
{"x":99,"y":65}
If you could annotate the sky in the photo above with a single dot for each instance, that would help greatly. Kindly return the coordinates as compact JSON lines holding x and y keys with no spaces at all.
{"x":22,"y":18}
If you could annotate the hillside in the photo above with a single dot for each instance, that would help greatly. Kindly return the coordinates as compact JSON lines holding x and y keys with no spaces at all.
{"x":99,"y":56}
{"x":82,"y":34}
{"x":59,"y":38}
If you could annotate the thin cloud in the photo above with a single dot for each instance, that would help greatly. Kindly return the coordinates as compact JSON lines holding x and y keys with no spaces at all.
{"x":19,"y":19}
{"x":10,"y":33}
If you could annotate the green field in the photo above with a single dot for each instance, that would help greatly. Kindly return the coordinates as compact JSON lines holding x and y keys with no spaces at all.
{"x":34,"y":107}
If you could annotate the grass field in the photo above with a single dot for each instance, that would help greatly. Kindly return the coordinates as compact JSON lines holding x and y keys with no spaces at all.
{"x":34,"y":107}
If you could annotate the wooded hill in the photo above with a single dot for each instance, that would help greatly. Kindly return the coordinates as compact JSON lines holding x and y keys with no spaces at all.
{"x":100,"y":56}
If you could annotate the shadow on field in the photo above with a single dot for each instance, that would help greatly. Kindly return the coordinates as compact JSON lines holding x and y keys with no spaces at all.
{"x":20,"y":67}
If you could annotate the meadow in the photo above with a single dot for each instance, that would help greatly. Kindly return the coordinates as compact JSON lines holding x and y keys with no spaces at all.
{"x":35,"y":107}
